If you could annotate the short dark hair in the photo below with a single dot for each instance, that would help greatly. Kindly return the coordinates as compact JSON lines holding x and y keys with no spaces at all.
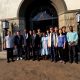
{"x":70,"y":27}
{"x":63,"y":27}
{"x":18,"y":30}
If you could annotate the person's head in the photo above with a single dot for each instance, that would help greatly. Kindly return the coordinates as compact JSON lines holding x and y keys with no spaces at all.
{"x":9,"y":33}
{"x":30,"y":32}
{"x":47,"y":31}
{"x":18,"y":33}
{"x":71,"y":28}
{"x":64,"y":28}
{"x":38,"y":30}
{"x":44,"y":33}
{"x":60,"y":30}
{"x":56,"y":29}
{"x":34,"y":32}
{"x":51,"y":29}
{"x":25,"y":30}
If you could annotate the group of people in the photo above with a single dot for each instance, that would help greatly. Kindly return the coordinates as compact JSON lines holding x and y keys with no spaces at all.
{"x":54,"y":44}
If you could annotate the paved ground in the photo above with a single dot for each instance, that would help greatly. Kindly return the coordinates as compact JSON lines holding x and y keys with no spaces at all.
{"x":43,"y":70}
{"x":34,"y":70}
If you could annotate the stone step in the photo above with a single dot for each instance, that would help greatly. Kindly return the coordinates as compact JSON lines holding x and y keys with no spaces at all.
{"x":3,"y":55}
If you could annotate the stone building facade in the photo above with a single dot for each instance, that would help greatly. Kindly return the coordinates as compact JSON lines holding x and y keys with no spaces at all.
{"x":15,"y":11}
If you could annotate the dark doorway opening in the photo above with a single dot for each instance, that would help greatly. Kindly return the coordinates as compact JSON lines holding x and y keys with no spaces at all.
{"x":44,"y":25}
{"x":35,"y":7}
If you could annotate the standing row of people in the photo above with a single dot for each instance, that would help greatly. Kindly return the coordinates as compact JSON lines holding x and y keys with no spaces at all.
{"x":57,"y":44}
{"x":63,"y":45}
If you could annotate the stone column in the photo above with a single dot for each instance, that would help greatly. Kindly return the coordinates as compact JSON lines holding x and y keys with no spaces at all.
{"x":68,"y":19}
{"x":14,"y":25}
{"x":1,"y":36}
{"x":22,"y":24}
{"x":62,"y":21}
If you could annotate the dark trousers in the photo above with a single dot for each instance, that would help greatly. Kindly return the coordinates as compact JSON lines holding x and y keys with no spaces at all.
{"x":30,"y":52}
{"x":56,"y":54}
{"x":26,"y":51}
{"x":20,"y":51}
{"x":61,"y":53}
{"x":36,"y":52}
{"x":9,"y":54}
{"x":66,"y":53}
{"x":73,"y":54}
{"x":52,"y":53}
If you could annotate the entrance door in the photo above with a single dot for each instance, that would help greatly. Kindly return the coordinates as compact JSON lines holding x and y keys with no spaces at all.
{"x":43,"y":13}
{"x":43,"y":20}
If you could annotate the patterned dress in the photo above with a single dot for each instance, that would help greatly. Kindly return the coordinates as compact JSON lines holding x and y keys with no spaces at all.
{"x":44,"y":41}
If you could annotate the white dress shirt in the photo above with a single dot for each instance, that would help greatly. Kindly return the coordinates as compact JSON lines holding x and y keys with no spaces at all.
{"x":9,"y":41}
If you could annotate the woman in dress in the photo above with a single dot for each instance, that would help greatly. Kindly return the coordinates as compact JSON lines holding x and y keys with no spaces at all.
{"x":44,"y":41}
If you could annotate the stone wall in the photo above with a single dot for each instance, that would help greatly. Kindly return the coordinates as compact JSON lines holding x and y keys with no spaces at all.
{"x":22,"y":25}
{"x":68,"y":19}
{"x":9,"y":8}
{"x":1,"y":36}
{"x":9,"y":11}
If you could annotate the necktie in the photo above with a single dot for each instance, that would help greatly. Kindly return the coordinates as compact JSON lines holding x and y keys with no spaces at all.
{"x":51,"y":39}
{"x":55,"y":39}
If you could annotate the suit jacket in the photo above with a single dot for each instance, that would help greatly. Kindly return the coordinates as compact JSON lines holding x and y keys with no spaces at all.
{"x":26,"y":39}
{"x":54,"y":38}
{"x":36,"y":41}
{"x":18,"y":40}
{"x":30,"y":40}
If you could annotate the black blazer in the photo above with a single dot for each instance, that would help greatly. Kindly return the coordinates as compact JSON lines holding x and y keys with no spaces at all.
{"x":18,"y":41}
{"x":34,"y":42}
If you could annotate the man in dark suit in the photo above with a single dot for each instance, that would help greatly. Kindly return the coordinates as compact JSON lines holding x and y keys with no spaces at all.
{"x":36,"y":45}
{"x":30,"y":43}
{"x":26,"y":44}
{"x":19,"y":42}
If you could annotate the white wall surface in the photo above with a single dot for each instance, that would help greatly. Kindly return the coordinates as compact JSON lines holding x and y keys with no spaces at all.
{"x":72,"y":4}
{"x":8,"y":8}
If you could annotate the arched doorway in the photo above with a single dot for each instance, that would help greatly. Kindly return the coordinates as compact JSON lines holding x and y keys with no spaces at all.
{"x":30,"y":8}
{"x":43,"y":17}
